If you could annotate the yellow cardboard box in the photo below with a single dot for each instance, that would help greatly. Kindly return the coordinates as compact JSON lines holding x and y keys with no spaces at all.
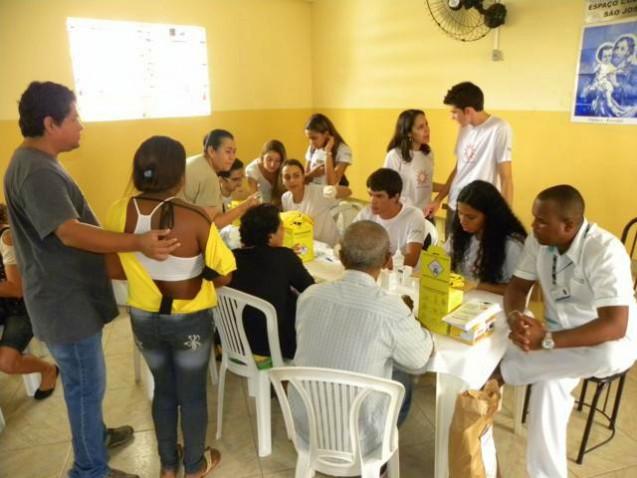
{"x":441,"y":291}
{"x":299,"y":234}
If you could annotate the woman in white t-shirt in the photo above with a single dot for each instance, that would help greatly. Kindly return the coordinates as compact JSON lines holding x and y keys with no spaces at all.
{"x":327,"y":156}
{"x":312,"y":199}
{"x":264,"y":173}
{"x":410,"y":155}
{"x":486,"y":239}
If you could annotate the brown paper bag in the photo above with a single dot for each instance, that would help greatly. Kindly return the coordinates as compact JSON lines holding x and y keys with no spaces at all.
{"x":471,"y":446}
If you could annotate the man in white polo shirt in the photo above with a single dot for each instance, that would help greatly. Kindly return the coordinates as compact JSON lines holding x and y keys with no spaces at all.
{"x":483,"y":149}
{"x":589,"y":328}
{"x":405,"y":225}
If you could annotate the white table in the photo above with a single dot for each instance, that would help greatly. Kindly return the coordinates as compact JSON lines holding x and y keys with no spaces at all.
{"x":458,"y":367}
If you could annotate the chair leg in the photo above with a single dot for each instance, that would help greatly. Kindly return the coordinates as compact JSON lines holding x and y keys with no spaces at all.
{"x":589,"y":423}
{"x":212,"y":367}
{"x":220,"y":389}
{"x":582,"y":396}
{"x":370,"y":471}
{"x":393,"y":466}
{"x":618,"y":398}
{"x":303,"y":469}
{"x":251,"y":387}
{"x":527,"y":397}
{"x":264,"y":420}
{"x":31,"y":382}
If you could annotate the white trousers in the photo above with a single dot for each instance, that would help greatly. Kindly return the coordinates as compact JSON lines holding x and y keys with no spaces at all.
{"x":554,"y":374}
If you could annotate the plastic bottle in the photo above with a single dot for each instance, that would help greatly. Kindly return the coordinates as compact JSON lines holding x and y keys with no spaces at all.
{"x":398,"y":261}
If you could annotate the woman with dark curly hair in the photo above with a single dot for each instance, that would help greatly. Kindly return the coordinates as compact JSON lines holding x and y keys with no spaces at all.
{"x":271,"y":272}
{"x":486,"y":237}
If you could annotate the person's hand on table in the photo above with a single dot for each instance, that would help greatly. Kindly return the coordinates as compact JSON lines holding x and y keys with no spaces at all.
{"x":526,"y":332}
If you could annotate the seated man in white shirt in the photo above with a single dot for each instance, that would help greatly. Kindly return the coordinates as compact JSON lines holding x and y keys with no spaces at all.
{"x":352,"y":324}
{"x":405,"y":225}
{"x":589,"y":327}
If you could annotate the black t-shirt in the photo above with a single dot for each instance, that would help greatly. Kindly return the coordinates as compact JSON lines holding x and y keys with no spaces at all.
{"x":276,"y":275}
{"x":66,"y":290}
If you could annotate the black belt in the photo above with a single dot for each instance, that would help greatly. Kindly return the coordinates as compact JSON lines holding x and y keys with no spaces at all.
{"x":166,"y":305}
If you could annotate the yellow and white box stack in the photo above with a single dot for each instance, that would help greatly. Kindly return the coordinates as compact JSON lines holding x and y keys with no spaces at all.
{"x":299,"y":234}
{"x":441,"y":290}
{"x":472,"y":321}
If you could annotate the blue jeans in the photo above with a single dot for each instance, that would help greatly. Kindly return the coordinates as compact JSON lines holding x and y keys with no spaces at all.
{"x":405,"y":379}
{"x":177,"y":349}
{"x":83,"y":376}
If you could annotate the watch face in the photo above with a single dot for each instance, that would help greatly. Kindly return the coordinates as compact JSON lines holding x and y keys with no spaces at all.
{"x":548,"y":344}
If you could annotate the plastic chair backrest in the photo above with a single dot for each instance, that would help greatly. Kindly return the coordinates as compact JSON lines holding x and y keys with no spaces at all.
{"x":431,"y":234}
{"x":228,"y":316}
{"x":333,"y":400}
{"x":344,"y":214}
{"x":629,"y":239}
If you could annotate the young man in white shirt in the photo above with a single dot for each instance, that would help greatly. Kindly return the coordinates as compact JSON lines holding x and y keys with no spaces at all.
{"x":483,"y":149}
{"x":352,"y":324}
{"x":405,"y":225}
{"x":589,"y":328}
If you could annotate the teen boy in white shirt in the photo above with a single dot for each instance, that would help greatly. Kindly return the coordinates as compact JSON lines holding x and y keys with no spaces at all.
{"x":483,"y":149}
{"x":589,"y":328}
{"x":405,"y":225}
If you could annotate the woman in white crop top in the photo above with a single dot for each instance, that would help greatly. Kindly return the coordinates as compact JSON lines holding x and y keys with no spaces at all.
{"x":170,"y":301}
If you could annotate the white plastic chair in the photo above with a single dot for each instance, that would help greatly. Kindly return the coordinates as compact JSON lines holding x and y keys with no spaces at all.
{"x":237,"y":356}
{"x":333,"y":401}
{"x":120,"y":291}
{"x":344,"y":213}
{"x":431,"y":231}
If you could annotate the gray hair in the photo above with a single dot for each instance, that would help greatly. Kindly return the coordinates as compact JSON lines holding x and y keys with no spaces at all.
{"x":365,"y":246}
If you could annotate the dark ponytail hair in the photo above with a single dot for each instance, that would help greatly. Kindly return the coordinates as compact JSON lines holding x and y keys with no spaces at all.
{"x":159,"y":164}
{"x":215,"y":138}
{"x":402,"y":135}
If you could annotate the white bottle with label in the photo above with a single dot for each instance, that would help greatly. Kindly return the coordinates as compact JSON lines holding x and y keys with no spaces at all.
{"x":398,"y":262}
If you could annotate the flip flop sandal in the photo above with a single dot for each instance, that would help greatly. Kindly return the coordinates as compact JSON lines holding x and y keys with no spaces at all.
{"x":212,"y":458}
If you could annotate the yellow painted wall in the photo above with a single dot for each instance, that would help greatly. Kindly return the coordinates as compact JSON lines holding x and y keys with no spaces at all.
{"x":360,"y":61}
{"x":375,"y":58}
{"x":259,"y":57}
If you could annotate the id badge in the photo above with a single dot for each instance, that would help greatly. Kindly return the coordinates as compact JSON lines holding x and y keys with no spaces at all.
{"x":560,"y":293}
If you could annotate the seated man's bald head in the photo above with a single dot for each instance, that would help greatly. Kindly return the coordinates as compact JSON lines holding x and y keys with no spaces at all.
{"x":365,"y":246}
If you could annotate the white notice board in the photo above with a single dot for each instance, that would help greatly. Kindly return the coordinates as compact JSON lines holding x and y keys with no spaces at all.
{"x":132,"y":70}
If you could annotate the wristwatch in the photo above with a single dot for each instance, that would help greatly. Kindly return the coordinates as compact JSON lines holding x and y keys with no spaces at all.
{"x":548,"y":343}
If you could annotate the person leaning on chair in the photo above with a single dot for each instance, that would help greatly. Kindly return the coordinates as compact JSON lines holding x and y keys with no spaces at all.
{"x":589,"y":327}
{"x":352,"y":324}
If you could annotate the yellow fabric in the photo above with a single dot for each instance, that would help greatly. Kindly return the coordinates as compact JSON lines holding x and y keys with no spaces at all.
{"x":142,"y":290}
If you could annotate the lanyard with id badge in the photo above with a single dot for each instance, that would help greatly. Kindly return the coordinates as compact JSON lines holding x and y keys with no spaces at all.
{"x":561,"y":292}
{"x":558,"y":292}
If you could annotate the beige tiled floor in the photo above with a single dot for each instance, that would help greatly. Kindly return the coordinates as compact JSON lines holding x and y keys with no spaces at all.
{"x":35,"y":443}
